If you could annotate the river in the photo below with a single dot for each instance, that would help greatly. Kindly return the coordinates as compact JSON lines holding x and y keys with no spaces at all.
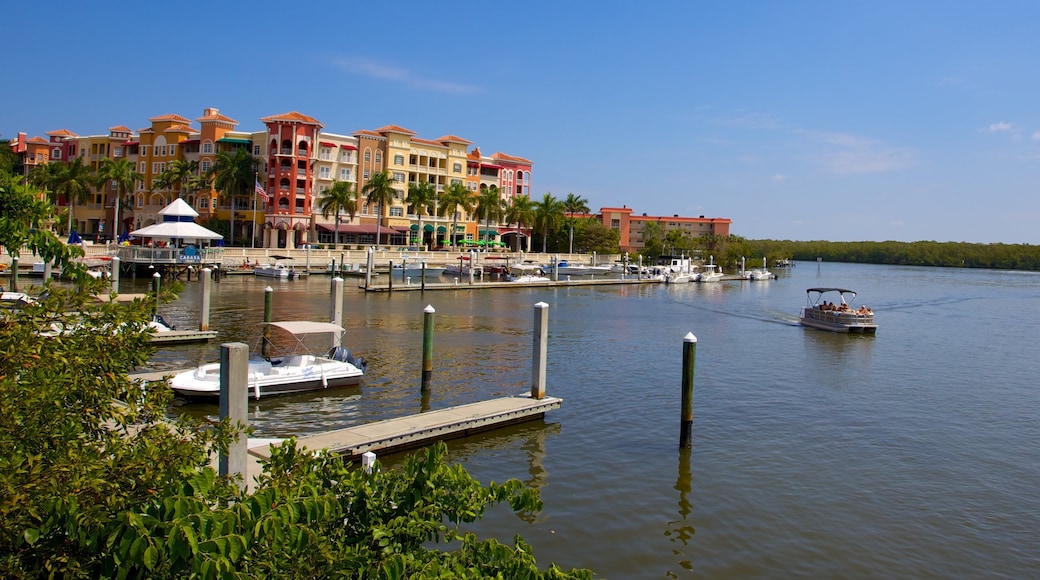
{"x":912,"y":453}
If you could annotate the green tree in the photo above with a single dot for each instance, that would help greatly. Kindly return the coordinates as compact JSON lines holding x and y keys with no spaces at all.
{"x":548,"y":216}
{"x":489,"y":207}
{"x":73,"y":181}
{"x":379,"y":193}
{"x":456,"y":199}
{"x":421,"y":199}
{"x":574,"y":204}
{"x":179,"y":172}
{"x":234,"y":175}
{"x":520,"y":211}
{"x":8,"y":158}
{"x":100,"y":483}
{"x":122,"y":173}
{"x":338,"y":199}
{"x":23,"y":214}
{"x":652,"y":236}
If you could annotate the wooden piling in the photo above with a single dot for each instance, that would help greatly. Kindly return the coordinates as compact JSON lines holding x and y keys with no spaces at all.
{"x":427,"y":347}
{"x":390,"y":278}
{"x":268,"y":306}
{"x":156,"y":284}
{"x":540,"y":350}
{"x":336,"y":314}
{"x":206,"y":279}
{"x":689,"y":361}
{"x":234,"y":372}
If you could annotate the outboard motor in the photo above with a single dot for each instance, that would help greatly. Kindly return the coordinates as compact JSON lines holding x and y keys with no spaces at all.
{"x":343,"y":354}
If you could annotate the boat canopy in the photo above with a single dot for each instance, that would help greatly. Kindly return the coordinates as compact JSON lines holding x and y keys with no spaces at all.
{"x":299,"y":327}
{"x":822,"y":290}
{"x":814,"y":295}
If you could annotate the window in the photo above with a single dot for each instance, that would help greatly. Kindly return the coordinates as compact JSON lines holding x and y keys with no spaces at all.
{"x":56,"y":154}
{"x":325,"y":154}
{"x":203,"y":203}
{"x":173,"y":150}
{"x":204,"y":167}
{"x":162,"y":167}
{"x":346,"y":157}
{"x":454,"y":181}
{"x":368,"y":156}
{"x":256,"y":150}
{"x":207,"y":147}
{"x":163,"y":149}
{"x":118,"y":152}
{"x":144,"y":151}
{"x":155,"y":167}
{"x":366,"y":175}
{"x":323,"y":172}
{"x":396,"y":212}
{"x":379,"y":156}
{"x":398,"y":177}
{"x":457,"y":168}
{"x":398,"y":159}
{"x":144,"y":167}
{"x":344,"y":175}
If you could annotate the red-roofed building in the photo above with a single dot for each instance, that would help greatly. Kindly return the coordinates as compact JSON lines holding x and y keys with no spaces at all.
{"x":292,"y":141}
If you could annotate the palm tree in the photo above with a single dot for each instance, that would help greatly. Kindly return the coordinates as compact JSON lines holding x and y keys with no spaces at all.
{"x":520,"y":211}
{"x":380,"y":192}
{"x":122,"y":173}
{"x":572,"y":205}
{"x":489,"y":207}
{"x":455,"y":199}
{"x":422,"y":198}
{"x":337,"y":199}
{"x":234,"y":175}
{"x":179,"y":172}
{"x":548,"y":216}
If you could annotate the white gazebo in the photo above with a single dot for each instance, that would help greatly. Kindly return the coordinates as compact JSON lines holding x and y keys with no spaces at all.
{"x":185,"y":243}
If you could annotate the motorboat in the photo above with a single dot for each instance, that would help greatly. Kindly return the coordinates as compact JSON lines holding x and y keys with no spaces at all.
{"x":565,"y":268}
{"x":526,"y":272}
{"x":462,"y":268}
{"x":417,"y":270}
{"x":710,"y":273}
{"x":840,"y":316}
{"x":292,"y":370}
{"x":15,"y":300}
{"x":276,"y":269}
{"x":761,"y":273}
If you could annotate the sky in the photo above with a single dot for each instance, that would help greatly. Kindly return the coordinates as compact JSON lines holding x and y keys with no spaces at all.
{"x":806,"y":120}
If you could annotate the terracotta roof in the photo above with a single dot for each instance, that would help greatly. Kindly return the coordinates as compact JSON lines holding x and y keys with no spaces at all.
{"x":217,"y":117}
{"x":291,"y":116}
{"x":427,"y":142}
{"x":61,"y":133}
{"x":37,"y":139}
{"x":145,"y":130}
{"x":171,"y":117}
{"x":454,"y":139}
{"x":120,"y":129}
{"x":503,"y":157}
{"x":394,"y":129}
{"x":369,"y":133}
{"x":180,"y":129}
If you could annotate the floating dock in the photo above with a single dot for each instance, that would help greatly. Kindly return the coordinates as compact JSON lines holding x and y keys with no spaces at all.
{"x":416,"y":285}
{"x":414,"y":431}
{"x":183,"y":336}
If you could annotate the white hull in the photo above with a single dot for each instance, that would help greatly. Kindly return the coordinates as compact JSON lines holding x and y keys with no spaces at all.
{"x":681,"y":278}
{"x":417,"y":272}
{"x":293,"y":374}
{"x":761,"y":275}
{"x":267,"y":271}
{"x":838,"y":321}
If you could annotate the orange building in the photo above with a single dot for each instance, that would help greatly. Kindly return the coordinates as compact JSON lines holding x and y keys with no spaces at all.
{"x":631,"y":227}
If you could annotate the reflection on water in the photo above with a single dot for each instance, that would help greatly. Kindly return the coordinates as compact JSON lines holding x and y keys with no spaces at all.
{"x":909,"y":453}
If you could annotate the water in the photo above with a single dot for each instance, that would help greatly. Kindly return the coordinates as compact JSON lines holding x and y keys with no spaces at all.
{"x":912,"y":453}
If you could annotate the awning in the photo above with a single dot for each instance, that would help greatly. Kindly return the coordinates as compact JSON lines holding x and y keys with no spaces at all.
{"x":441,"y":229}
{"x":235,"y":140}
{"x":351,"y":147}
{"x":353,"y":228}
{"x":488,"y":232}
{"x":326,"y":144}
{"x":426,"y":228}
{"x":414,"y":227}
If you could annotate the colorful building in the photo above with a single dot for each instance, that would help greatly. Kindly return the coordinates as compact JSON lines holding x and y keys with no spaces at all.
{"x":631,"y":227}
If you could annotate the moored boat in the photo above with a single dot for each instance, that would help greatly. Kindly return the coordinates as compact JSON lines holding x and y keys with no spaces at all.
{"x":276,"y":269}
{"x":294,"y":370}
{"x":836,"y":317}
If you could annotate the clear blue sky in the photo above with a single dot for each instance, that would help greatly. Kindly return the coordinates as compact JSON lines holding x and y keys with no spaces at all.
{"x":884,"y":120}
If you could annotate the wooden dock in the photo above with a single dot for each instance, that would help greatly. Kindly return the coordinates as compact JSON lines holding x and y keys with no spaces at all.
{"x":465,"y":285}
{"x":419,"y":430}
{"x":183,"y":336}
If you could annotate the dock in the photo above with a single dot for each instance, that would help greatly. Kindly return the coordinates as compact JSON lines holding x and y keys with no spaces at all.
{"x":415,"y":285}
{"x":403,"y":433}
{"x":182,"y":336}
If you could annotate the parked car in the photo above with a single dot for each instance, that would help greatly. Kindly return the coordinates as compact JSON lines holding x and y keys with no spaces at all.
{"x":311,"y":247}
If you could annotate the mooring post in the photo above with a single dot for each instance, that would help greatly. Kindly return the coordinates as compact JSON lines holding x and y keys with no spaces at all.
{"x":370,"y":262}
{"x":268,"y":306}
{"x":540,"y":350}
{"x":156,"y":283}
{"x":332,"y":273}
{"x":689,"y":359}
{"x":234,"y":367}
{"x":336,"y":316}
{"x":427,"y":347}
{"x":422,"y":275}
{"x":640,"y":275}
{"x":390,"y":285}
{"x":206,"y":280}
{"x":368,"y":461}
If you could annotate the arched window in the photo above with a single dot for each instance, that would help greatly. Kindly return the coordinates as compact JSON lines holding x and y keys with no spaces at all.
{"x":283,"y":185}
{"x":283,"y":204}
{"x":301,"y":149}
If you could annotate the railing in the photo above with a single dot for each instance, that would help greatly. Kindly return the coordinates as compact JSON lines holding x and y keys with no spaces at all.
{"x":145,"y":255}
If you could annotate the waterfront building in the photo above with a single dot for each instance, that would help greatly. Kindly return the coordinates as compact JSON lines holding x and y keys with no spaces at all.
{"x":631,"y":227}
{"x":337,"y":162}
{"x":292,"y":139}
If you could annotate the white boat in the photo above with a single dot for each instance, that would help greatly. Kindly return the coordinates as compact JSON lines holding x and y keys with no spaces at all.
{"x":15,"y":300}
{"x":836,"y":317}
{"x":462,"y":267}
{"x":526,"y":272}
{"x":416,"y":270}
{"x":276,"y":269}
{"x":710,"y":273}
{"x":565,"y":268}
{"x":293,"y":371}
{"x":761,"y":273}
